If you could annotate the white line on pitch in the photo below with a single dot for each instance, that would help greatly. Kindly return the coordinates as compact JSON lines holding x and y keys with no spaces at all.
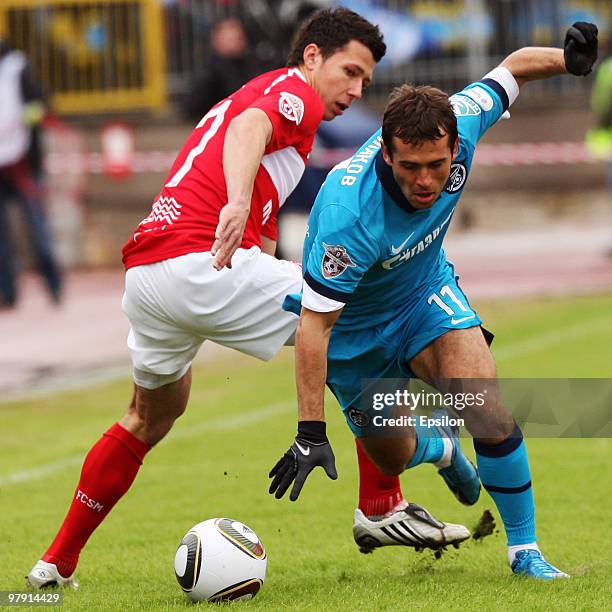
{"x":548,"y":339}
{"x":69,"y":381}
{"x":40,"y":472}
{"x":233,"y":422}
{"x":180,"y":433}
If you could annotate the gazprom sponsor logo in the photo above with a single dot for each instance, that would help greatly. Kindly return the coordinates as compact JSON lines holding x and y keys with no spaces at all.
{"x":419,"y":247}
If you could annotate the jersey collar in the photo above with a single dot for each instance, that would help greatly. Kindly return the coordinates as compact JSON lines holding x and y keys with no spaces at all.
{"x":297,"y":72}
{"x":385,"y":175}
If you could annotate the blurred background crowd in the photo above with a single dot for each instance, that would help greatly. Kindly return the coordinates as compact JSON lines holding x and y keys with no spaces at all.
{"x":106,"y":91}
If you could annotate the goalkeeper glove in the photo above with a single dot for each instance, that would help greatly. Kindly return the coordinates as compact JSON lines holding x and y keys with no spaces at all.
{"x":310,"y":449}
{"x":580,"y":48}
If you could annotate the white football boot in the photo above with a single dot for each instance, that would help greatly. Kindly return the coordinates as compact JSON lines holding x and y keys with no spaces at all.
{"x":45,"y":575}
{"x":411,"y":526}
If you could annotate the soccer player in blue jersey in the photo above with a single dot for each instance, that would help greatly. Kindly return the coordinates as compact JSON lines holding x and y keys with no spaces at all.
{"x":380,"y":299}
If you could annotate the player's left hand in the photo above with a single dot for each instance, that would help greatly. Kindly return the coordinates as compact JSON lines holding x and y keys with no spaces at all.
{"x":580,"y":48}
{"x":228,"y":235}
{"x":310,"y":449}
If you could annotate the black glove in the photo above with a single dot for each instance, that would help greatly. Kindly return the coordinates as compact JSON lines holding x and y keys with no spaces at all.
{"x":580,"y":48}
{"x":311,"y":448}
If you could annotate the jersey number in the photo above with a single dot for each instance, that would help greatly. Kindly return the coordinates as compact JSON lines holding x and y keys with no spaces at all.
{"x":217,"y":114}
{"x":446,"y":291}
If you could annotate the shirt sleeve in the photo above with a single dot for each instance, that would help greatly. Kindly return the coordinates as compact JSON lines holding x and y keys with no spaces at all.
{"x":295,"y":111}
{"x":480,"y":105}
{"x":341,"y":253}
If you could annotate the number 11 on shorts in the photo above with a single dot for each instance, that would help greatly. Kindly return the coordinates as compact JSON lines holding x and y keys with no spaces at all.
{"x":458,"y":307}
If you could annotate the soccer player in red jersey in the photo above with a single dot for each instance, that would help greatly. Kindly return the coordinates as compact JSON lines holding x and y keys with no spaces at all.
{"x":200,"y":266}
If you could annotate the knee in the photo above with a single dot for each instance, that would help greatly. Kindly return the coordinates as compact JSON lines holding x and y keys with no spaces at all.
{"x":495,"y":431}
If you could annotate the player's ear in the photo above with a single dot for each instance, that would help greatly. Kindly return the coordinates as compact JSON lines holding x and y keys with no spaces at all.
{"x":312,"y":53}
{"x":386,"y":153}
{"x":456,"y":147}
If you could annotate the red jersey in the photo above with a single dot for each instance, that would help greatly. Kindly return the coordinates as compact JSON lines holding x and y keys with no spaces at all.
{"x":186,"y":212}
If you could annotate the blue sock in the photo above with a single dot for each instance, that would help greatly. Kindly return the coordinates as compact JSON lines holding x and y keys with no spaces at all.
{"x":429,"y":447}
{"x":504,"y":473}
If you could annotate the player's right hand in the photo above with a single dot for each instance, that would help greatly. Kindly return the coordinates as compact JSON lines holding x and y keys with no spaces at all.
{"x":580,"y":48}
{"x":310,"y":449}
{"x":228,"y":235}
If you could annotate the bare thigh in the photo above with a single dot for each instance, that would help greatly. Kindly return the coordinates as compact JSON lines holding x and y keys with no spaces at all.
{"x":458,"y":361}
{"x":461,"y":361}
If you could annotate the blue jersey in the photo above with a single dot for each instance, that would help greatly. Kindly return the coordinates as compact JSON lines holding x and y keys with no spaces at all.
{"x":366,"y":246}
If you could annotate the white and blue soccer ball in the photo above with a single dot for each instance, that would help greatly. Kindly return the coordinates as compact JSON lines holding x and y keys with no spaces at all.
{"x":219,"y":560}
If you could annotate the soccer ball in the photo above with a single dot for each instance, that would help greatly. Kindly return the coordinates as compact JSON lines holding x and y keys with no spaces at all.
{"x":220,"y":559}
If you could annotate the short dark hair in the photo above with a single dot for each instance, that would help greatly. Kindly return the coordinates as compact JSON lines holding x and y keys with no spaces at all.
{"x":417,"y":114}
{"x":332,"y":29}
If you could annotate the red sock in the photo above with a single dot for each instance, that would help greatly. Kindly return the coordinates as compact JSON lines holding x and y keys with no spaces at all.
{"x":108,"y":472}
{"x":377,"y":493}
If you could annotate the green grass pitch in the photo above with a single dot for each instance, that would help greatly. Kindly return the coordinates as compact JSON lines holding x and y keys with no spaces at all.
{"x":241,"y":418}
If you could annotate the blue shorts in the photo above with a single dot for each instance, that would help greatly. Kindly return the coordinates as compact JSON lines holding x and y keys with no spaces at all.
{"x":385,"y":351}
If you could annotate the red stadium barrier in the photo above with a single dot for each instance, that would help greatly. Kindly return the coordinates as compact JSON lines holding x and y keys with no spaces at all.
{"x":523,"y":154}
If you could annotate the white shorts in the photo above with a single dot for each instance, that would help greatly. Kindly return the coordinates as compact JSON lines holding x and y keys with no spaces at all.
{"x":175,"y":305}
